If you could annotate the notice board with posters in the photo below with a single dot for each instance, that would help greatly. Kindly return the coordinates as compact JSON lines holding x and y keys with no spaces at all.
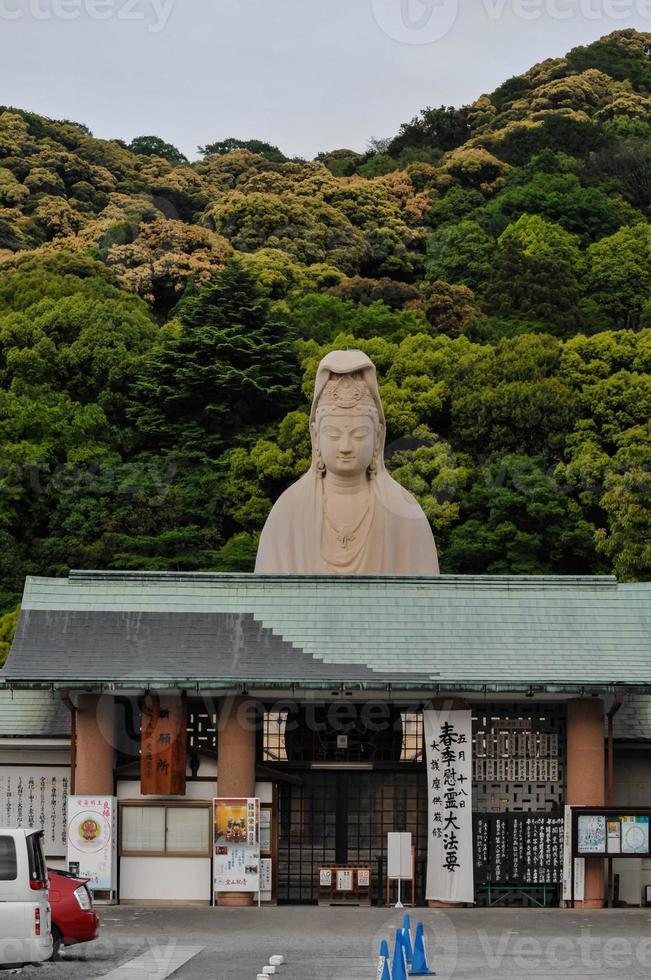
{"x":236,"y":866}
{"x":619,"y":832}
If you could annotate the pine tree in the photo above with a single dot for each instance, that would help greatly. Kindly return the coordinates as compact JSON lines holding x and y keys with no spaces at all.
{"x":232,"y":367}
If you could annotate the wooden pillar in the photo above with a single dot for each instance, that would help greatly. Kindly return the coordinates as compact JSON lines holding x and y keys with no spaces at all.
{"x":236,"y":765}
{"x":586,"y":780}
{"x":95,"y":751}
{"x":447,"y":704}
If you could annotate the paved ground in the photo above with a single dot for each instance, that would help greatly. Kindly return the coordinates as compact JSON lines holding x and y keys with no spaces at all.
{"x":341,"y":944}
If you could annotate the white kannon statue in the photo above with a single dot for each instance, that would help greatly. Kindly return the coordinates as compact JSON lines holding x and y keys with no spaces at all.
{"x":346,"y":515}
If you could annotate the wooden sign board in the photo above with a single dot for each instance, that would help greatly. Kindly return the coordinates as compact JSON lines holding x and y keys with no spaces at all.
{"x":163,"y":745}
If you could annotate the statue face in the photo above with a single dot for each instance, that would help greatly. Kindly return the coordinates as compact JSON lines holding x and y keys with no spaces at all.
{"x":347,"y":443}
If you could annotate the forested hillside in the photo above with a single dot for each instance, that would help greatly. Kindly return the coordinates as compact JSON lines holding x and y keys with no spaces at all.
{"x":161,"y":321}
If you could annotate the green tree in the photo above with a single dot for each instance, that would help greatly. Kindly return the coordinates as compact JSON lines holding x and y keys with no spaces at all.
{"x":154,"y":146}
{"x":460,"y":253}
{"x":534,"y":274}
{"x":231,"y":366}
{"x":516,"y":520}
{"x":444,"y":128}
{"x":8,"y":624}
{"x":618,"y":275}
{"x":259,"y":147}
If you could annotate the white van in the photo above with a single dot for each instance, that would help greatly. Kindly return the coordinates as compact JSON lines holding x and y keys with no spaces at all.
{"x":25,"y":925}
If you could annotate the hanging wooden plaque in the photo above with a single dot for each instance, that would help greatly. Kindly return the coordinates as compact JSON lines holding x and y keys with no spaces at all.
{"x":163,"y":745}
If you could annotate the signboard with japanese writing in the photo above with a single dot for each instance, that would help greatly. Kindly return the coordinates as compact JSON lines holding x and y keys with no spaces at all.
{"x":237,"y":844}
{"x":518,"y":848}
{"x":92,"y":839}
{"x":579,"y":864}
{"x":448,"y":740}
{"x":36,"y":798}
{"x":163,"y":745}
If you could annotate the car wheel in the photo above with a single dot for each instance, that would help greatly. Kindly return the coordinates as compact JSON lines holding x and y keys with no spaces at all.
{"x":57,"y":940}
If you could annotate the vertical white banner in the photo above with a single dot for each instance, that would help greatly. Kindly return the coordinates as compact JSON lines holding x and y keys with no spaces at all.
{"x":448,"y":742}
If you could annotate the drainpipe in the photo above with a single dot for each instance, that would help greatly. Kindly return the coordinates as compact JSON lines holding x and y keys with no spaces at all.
{"x":612,"y":711}
{"x":65,"y":699}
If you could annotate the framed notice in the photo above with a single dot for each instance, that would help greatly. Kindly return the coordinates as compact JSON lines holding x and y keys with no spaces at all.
{"x":325,"y":877}
{"x":345,"y":880}
{"x":266,"y":878}
{"x":265,"y":830}
{"x":363,"y":877}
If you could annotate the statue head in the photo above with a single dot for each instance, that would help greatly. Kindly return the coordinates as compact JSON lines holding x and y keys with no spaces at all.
{"x":347,"y":421}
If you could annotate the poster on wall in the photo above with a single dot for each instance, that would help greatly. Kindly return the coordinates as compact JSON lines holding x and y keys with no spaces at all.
{"x":614,"y":837}
{"x":36,"y":798}
{"x":237,"y":844}
{"x":592,"y":834}
{"x":92,"y":840}
{"x":448,"y":741}
{"x":635,"y":835}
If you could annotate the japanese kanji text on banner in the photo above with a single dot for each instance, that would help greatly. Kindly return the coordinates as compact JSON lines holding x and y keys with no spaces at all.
{"x":448,"y":740}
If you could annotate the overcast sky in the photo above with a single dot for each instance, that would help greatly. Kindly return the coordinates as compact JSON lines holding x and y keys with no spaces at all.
{"x":307,"y":75}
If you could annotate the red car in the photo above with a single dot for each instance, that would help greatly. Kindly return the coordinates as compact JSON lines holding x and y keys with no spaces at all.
{"x":74,"y":920}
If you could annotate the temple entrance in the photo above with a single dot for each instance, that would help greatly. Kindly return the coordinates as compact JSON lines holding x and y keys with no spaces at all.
{"x":352,"y":785}
{"x":342,"y":817}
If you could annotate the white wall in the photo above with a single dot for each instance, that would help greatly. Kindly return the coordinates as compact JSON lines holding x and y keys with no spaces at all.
{"x":632,"y":787}
{"x":129,"y":789}
{"x":154,"y":879}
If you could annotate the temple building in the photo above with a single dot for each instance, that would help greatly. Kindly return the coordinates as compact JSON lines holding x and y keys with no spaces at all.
{"x":308,"y":692}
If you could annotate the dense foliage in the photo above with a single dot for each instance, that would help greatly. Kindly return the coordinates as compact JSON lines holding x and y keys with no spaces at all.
{"x":161,"y":321}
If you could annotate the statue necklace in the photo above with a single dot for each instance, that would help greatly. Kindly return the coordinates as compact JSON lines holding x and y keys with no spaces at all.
{"x":346,"y":535}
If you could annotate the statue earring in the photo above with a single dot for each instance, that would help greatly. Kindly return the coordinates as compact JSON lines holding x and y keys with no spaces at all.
{"x":320,"y":465}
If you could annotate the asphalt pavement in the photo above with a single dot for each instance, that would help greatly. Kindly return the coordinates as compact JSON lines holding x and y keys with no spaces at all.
{"x":189,"y":943}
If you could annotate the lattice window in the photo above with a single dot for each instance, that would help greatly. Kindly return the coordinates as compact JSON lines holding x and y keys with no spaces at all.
{"x":273,"y":736}
{"x":519,"y":757}
{"x":202,"y":725}
{"x":412,"y":737}
{"x":310,"y":739}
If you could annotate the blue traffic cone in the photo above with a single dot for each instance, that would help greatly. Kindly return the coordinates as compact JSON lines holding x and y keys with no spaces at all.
{"x":399,"y":968}
{"x":384,"y":970}
{"x":419,"y":965}
{"x":406,"y":939}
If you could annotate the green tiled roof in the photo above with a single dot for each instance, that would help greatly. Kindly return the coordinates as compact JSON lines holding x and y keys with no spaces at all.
{"x":500,"y":631}
{"x":33,"y":713}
